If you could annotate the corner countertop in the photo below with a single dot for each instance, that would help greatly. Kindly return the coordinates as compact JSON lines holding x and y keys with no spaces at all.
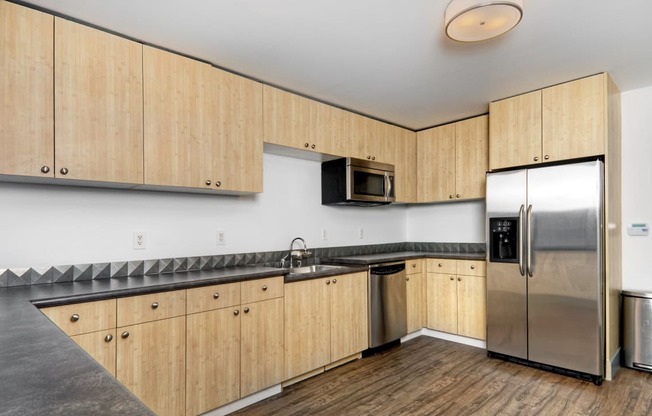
{"x":368,"y":259}
{"x":44,"y":372}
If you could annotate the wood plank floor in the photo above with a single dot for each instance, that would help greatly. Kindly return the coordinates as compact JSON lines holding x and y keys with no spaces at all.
{"x":427,"y":376}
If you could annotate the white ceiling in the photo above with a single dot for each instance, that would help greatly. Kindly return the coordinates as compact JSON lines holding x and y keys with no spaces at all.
{"x":390,"y":59}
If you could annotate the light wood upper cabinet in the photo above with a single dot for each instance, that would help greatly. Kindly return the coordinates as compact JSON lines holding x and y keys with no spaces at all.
{"x":436,"y":164}
{"x":203,"y":126}
{"x":406,"y":166}
{"x":565,"y":121}
{"x":471,"y":163}
{"x":515,"y":131}
{"x":26,"y":85}
{"x":98,"y":99}
{"x":295,"y":121}
{"x":574,"y":119}
{"x":452,"y":161}
{"x":151,"y":363}
{"x":456,"y":299}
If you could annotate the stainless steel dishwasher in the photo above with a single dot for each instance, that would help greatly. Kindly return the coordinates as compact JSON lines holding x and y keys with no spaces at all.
{"x":387,"y":303}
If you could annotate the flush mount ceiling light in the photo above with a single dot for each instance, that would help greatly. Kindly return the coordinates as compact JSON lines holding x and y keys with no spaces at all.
{"x":476,"y":20}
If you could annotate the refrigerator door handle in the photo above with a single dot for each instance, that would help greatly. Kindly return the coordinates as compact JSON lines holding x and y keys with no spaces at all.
{"x":528,"y":238}
{"x":521,"y":243}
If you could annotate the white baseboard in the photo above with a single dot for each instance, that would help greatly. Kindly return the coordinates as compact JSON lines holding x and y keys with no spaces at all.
{"x":446,"y":336}
{"x":245,"y":401}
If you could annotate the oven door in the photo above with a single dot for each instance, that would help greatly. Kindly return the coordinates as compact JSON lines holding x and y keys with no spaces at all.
{"x":364,"y":184}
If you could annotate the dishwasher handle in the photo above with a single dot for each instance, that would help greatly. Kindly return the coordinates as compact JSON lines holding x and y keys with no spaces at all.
{"x":389,"y":269}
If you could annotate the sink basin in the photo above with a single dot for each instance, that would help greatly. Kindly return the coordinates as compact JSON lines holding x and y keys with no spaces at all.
{"x":315,"y":269}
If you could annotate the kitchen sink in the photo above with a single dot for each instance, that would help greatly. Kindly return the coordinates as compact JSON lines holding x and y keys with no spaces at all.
{"x":315,"y":268}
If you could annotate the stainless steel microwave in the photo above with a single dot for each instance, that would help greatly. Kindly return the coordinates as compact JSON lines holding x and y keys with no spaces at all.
{"x":349,"y":181}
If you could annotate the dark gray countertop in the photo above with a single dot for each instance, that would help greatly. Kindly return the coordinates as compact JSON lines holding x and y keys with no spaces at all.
{"x":43,"y":372}
{"x":368,"y":259}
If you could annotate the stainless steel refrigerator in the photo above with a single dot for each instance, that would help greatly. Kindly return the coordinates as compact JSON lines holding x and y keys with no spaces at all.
{"x":545,"y":269}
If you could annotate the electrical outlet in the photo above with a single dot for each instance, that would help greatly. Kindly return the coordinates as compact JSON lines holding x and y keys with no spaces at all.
{"x":140,"y":240}
{"x":323,"y":234}
{"x":361,"y":233}
{"x":220,"y":237}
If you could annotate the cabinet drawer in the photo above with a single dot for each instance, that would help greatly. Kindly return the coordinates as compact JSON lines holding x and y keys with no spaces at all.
{"x":413,"y":266}
{"x":262,"y":289}
{"x":212,"y":297}
{"x":447,"y":266}
{"x":471,"y":267}
{"x":145,"y":308}
{"x":82,"y":318}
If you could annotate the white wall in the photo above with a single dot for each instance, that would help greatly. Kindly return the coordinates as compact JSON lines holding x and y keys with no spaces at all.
{"x":459,"y":222}
{"x":56,"y":225}
{"x":637,"y":186}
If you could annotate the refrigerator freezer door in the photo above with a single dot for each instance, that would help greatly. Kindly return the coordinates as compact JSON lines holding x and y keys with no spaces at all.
{"x":565,"y":288}
{"x":506,"y":286}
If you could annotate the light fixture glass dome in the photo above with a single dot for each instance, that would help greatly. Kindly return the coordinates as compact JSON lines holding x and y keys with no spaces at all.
{"x":477,"y":20}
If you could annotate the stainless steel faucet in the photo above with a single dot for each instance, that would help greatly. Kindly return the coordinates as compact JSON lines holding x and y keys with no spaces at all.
{"x":296,"y":254}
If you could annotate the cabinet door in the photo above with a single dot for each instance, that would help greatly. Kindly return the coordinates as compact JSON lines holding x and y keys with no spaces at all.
{"x":288,"y":119}
{"x":471,"y":157}
{"x":406,"y":166}
{"x":436,"y":164}
{"x":416,"y":296}
{"x":213,"y":359}
{"x":179,"y":95}
{"x":237,"y":159}
{"x":261,"y":346}
{"x":331,"y":131}
{"x":26,"y":85}
{"x":99,"y":105}
{"x":307,"y":326}
{"x":442,"y":302}
{"x":101,"y":346}
{"x":151,"y":364}
{"x":471,"y":306}
{"x":349,"y":326}
{"x":574,"y":119}
{"x":515,"y":131}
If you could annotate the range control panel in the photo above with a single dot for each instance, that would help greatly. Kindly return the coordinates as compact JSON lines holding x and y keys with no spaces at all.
{"x":503,"y":240}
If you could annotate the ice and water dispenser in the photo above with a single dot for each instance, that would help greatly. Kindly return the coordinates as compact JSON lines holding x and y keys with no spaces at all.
{"x":503,"y":240}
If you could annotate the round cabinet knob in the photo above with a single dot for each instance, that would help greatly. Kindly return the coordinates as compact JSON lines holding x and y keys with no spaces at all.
{"x":328,"y":282}
{"x":216,"y":295}
{"x":459,"y":279}
{"x":264,"y":288}
{"x":450,"y":196}
{"x":236,"y":312}
{"x":313,"y":146}
{"x":64,"y":171}
{"x":74,"y":318}
{"x":536,"y":158}
{"x":440,"y":265}
{"x":546,"y":157}
{"x":108,"y":338}
{"x":246,"y":310}
{"x":306,"y":145}
{"x":334,"y":281}
{"x":125,"y":335}
{"x":407,"y":278}
{"x":45,"y":169}
{"x":472,"y":267}
{"x":208,"y":182}
{"x":368,"y":157}
{"x":218,"y":183}
{"x":373,"y":157}
{"x":452,"y":278}
{"x":457,"y":195}
{"x":154,"y":305}
{"x":414,"y":265}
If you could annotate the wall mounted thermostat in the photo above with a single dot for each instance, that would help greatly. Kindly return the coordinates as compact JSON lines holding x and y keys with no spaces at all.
{"x":638,"y":228}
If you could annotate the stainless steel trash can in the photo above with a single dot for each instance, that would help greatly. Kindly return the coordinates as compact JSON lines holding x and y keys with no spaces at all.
{"x":637,"y":330}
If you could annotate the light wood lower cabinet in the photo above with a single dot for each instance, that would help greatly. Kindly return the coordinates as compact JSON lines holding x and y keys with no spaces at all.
{"x":415,"y":295}
{"x":325,"y":321}
{"x":151,"y":363}
{"x":456,"y":302}
{"x":101,"y":346}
